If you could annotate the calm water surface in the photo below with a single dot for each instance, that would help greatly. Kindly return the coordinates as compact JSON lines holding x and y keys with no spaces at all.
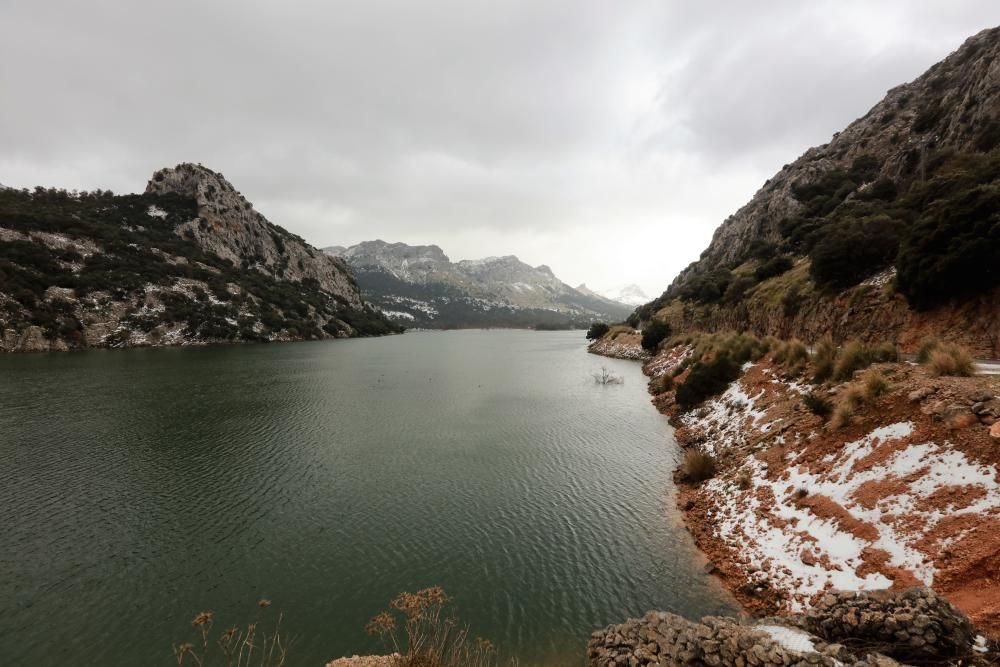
{"x":139,"y":487}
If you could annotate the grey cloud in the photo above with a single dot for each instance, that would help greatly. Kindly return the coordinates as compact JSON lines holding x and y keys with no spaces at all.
{"x":604,"y":139}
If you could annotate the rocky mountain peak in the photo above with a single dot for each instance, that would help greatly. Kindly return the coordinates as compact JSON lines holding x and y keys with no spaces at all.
{"x":946,"y":108}
{"x":229,"y":226}
{"x":400,"y":251}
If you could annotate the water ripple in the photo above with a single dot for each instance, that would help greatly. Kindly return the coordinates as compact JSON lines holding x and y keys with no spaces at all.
{"x":143,"y":486}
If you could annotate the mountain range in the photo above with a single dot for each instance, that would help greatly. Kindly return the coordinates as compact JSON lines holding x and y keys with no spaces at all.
{"x":187,"y":261}
{"x":420,"y":286}
{"x":890,"y":231}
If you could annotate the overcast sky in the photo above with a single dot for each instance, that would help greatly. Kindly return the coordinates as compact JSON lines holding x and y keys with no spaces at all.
{"x":604,"y":138}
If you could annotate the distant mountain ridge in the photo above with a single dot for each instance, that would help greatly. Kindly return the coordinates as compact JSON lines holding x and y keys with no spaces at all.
{"x":630,"y":295}
{"x":420,"y":286}
{"x":188,"y":261}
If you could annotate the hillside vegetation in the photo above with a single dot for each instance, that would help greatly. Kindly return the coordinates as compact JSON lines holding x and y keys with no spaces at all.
{"x":891,"y":230}
{"x":95,"y":269}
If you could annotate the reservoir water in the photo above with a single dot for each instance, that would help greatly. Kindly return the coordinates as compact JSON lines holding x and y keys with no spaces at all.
{"x":139,"y":487}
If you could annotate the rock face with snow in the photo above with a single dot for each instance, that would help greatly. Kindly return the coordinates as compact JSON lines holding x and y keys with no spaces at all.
{"x":228,"y":226}
{"x":420,"y":286}
{"x":189,"y":261}
{"x":630,"y":295}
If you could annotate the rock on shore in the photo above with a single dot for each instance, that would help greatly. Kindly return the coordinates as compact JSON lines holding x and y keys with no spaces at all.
{"x":881,"y":629}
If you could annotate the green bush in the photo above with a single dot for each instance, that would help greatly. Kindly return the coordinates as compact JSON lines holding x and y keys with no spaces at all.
{"x":953,"y":249}
{"x":597,"y":330}
{"x":853,"y":251}
{"x":653,"y":333}
{"x":773,"y":267}
{"x":707,"y":379}
{"x":818,"y":405}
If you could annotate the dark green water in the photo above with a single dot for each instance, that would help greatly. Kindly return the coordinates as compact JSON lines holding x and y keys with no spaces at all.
{"x":139,"y":487}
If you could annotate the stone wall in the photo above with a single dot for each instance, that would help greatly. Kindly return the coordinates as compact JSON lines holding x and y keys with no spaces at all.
{"x":880,"y":629}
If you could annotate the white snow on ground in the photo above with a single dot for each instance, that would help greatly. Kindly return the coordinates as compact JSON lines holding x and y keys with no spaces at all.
{"x":155,"y":211}
{"x":776,"y":549}
{"x":734,"y":416}
{"x":665,"y":363}
{"x":881,"y":279}
{"x":398,"y":314}
{"x":790,"y":638}
{"x":774,"y":535}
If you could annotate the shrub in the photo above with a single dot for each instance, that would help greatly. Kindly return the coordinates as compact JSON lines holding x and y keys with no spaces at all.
{"x":662,"y":383}
{"x":738,"y":288}
{"x":841,"y":365}
{"x":853,"y":357}
{"x":853,"y":250}
{"x":951,"y":360}
{"x":884,"y":353}
{"x":817,"y":404}
{"x":698,"y":465}
{"x":927,"y":345}
{"x":824,"y":358}
{"x":707,"y":379}
{"x":706,"y":287}
{"x":773,"y":267}
{"x":952,"y":247}
{"x":430,"y":637}
{"x":875,"y":385}
{"x":790,"y":353}
{"x":653,"y":333}
{"x":597,"y":330}
{"x":842,"y":416}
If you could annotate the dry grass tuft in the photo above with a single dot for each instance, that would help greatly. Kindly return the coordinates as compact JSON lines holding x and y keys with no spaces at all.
{"x":424,"y":635}
{"x":927,"y":345}
{"x":842,"y":416}
{"x":253,"y":644}
{"x":790,"y":353}
{"x":824,"y":359}
{"x":949,"y":359}
{"x":698,"y":465}
{"x":875,"y":385}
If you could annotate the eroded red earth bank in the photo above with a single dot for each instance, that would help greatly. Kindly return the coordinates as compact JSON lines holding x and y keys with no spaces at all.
{"x":907,"y":493}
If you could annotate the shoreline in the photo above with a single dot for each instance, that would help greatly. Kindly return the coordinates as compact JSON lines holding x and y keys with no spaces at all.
{"x":906,"y":494}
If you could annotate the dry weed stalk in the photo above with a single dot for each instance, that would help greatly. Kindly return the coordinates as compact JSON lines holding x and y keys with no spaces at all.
{"x":235,"y":647}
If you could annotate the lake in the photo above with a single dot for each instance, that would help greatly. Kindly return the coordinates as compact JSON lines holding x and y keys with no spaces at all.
{"x":140,"y":487}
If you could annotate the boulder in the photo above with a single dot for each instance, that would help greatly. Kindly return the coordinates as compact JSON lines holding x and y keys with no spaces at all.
{"x":995,"y":431}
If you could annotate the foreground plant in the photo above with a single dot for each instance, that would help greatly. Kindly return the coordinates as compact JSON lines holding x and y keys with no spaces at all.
{"x":423,"y":634}
{"x":253,"y":644}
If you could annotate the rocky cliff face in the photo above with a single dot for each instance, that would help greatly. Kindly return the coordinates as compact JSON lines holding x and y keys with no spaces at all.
{"x":228,"y":226}
{"x":884,"y":232}
{"x":421,"y":286}
{"x":189,"y":261}
{"x":947,"y":108}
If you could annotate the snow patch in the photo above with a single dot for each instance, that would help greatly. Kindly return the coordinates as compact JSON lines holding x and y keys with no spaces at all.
{"x":789,"y":638}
